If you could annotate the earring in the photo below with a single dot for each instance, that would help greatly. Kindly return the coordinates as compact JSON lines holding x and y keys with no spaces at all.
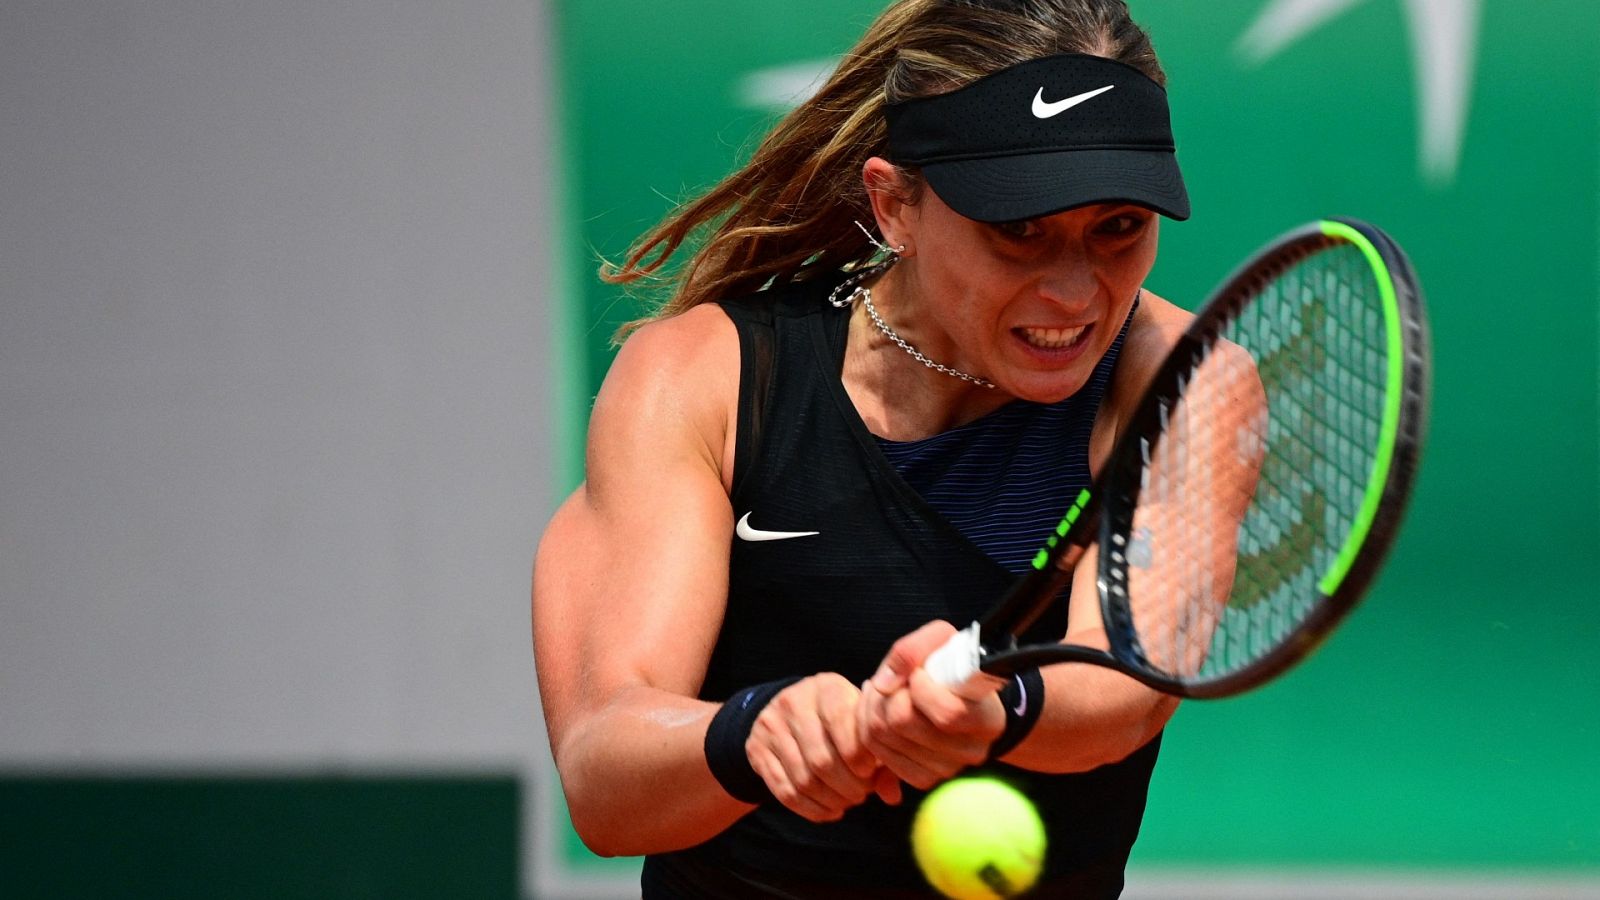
{"x":882,"y":247}
{"x":891,"y":255}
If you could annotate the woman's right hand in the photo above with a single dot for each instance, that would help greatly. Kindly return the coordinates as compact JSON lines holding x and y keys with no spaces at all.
{"x":806,"y":746}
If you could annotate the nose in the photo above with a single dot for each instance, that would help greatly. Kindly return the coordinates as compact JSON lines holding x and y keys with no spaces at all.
{"x":1069,"y":280}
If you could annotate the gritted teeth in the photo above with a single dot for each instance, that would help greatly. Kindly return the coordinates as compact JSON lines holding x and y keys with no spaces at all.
{"x":1052,"y":338}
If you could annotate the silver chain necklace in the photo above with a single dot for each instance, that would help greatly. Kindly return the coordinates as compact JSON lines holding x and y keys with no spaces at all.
{"x":865,"y":293}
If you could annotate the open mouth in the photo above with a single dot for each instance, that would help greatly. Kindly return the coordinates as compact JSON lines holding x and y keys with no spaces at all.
{"x":1054,"y":338}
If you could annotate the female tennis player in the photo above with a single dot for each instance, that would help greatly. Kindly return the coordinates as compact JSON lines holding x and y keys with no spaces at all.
{"x":904,"y":343}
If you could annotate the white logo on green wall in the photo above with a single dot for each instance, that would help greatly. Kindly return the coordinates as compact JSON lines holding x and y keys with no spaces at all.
{"x":1444,"y":50}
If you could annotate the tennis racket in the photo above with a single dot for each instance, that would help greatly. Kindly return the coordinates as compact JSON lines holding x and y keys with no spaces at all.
{"x":1253,"y":494}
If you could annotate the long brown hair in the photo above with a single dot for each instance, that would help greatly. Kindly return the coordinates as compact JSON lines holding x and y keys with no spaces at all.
{"x":788,"y":214}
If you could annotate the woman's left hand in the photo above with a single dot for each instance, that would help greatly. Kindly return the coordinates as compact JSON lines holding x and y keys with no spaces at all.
{"x":922,"y":731}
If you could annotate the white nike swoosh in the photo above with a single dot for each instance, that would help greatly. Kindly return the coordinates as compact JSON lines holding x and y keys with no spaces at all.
{"x":745,"y":531}
{"x":1021,"y":708}
{"x":1043,"y":110}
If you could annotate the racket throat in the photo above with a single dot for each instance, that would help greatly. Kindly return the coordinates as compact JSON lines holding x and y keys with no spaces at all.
{"x":1027,"y":601}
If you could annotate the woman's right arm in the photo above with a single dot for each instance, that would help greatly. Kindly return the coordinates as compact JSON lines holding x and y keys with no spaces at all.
{"x":629,"y":587}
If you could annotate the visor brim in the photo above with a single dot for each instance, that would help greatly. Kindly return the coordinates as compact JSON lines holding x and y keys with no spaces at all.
{"x":1012,"y":188}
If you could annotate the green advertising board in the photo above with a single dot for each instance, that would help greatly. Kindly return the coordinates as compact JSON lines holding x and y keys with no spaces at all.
{"x":1449,"y":730}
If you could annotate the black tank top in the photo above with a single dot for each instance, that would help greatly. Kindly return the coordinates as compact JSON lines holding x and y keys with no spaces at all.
{"x":882,"y":563}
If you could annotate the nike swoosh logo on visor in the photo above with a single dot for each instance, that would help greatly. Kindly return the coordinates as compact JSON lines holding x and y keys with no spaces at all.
{"x":749,"y":533}
{"x":1043,"y":110}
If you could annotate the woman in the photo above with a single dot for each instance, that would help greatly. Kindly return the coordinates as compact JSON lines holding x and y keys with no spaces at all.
{"x":789,"y":500}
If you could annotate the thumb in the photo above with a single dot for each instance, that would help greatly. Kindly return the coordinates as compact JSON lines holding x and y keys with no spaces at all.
{"x":907,"y":654}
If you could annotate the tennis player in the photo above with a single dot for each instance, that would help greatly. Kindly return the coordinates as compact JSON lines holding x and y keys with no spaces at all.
{"x":903,"y":345}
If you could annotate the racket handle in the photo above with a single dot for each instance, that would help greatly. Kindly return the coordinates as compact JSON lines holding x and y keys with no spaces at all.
{"x":954,"y":663}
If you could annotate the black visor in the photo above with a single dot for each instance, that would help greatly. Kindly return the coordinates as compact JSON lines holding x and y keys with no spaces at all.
{"x":1044,"y":136}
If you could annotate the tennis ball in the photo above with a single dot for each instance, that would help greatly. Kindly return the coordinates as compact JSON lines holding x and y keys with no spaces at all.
{"x":978,"y":838}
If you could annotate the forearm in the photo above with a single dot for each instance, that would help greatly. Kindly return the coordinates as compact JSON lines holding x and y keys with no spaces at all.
{"x":1092,"y":716}
{"x":643,"y":751}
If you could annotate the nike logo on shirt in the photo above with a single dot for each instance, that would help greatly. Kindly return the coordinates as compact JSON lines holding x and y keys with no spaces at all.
{"x":1043,"y":110}
{"x":747,"y":532}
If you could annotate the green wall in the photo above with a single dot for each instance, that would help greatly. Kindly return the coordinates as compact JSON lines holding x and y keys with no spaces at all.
{"x":250,"y":837}
{"x":1453,"y":721}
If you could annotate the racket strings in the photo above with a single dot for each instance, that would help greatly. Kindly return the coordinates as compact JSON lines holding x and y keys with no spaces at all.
{"x":1251,"y":492}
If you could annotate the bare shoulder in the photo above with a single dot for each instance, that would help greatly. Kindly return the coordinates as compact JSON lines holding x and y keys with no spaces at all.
{"x":1155,"y":330}
{"x":695,"y":350}
{"x":618,"y":600}
{"x":672,"y":389}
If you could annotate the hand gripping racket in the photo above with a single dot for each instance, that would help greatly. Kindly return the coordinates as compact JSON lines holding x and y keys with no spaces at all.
{"x":1251,"y":497}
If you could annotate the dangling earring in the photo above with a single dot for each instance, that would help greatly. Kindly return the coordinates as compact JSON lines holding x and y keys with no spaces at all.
{"x":882,"y":247}
{"x":890,"y":255}
{"x":857,"y":289}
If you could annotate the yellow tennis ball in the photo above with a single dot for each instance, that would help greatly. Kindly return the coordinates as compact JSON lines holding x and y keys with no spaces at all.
{"x":978,"y":839}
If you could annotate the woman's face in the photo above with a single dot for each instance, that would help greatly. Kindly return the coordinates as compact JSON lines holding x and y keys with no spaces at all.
{"x":1033,"y":305}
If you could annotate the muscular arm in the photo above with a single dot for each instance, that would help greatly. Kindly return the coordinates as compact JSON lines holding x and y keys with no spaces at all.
{"x":1092,"y":716}
{"x":629,"y":587}
{"x":1199,"y":484}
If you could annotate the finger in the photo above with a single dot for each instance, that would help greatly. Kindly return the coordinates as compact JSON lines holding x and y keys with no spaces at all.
{"x":824,"y":763}
{"x":771,"y":770}
{"x":887,"y":787}
{"x":844,"y":730}
{"x":908,"y":653}
{"x":838,"y":704}
{"x":908,"y":767}
{"x":775,"y":730}
{"x":903,"y":757}
{"x":953,"y":715}
{"x":938,"y":751}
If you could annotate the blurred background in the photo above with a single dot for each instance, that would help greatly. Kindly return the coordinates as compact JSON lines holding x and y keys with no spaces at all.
{"x":299,"y":329}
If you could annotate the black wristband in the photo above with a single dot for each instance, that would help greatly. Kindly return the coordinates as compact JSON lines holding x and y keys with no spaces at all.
{"x":1023,"y":698}
{"x":726,"y":736}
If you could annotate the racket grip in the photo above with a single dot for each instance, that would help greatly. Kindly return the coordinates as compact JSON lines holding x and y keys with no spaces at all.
{"x":954,"y":663}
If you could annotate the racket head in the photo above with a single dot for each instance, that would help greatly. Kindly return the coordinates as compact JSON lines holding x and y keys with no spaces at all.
{"x":1297,"y":399}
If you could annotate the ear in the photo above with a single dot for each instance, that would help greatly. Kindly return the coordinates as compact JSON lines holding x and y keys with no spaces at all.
{"x":891,"y":204}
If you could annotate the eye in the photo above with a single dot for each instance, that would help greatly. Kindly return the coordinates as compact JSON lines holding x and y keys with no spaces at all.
{"x":1123,"y":224}
{"x":1022,"y":228}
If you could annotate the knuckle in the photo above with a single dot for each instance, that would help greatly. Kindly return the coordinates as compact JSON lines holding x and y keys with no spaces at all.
{"x":945,"y":718}
{"x":767,"y":719}
{"x":817,"y":759}
{"x":900,"y":716}
{"x":783,"y":701}
{"x":861,"y":765}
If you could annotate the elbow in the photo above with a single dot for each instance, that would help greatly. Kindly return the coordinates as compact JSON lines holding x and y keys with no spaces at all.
{"x":593,"y":824}
{"x":601,"y":840}
{"x":1120,"y":737}
{"x":1141,"y":731}
{"x":607,"y":823}
{"x":586,"y":809}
